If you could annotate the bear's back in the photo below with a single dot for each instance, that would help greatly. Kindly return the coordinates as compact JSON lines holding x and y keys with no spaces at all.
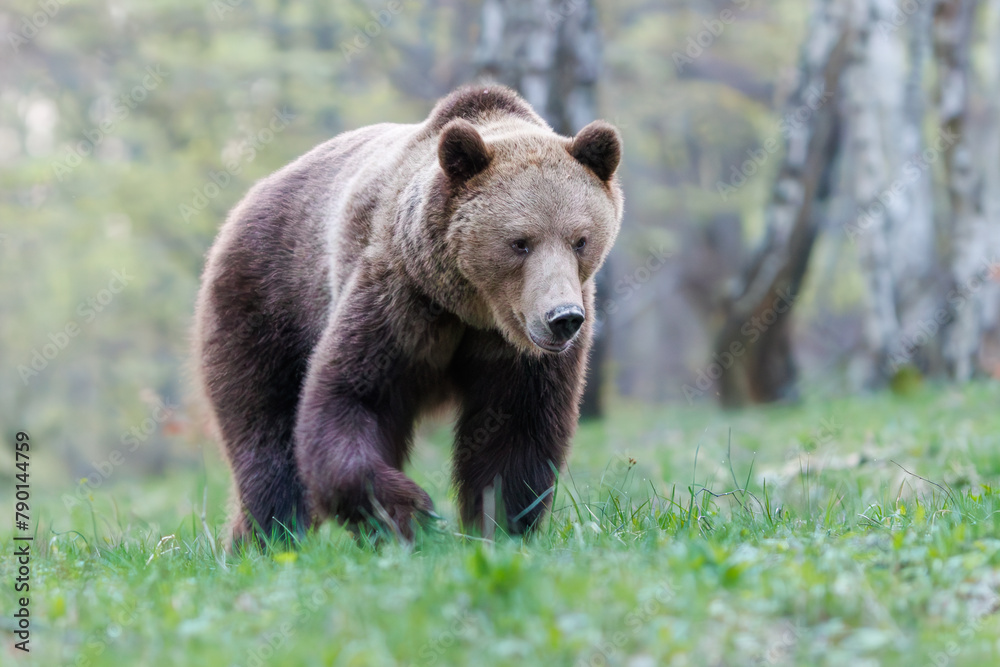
{"x":300,"y":232}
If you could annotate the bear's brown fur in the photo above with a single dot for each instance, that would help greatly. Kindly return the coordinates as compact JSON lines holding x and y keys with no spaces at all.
{"x":388,"y":271}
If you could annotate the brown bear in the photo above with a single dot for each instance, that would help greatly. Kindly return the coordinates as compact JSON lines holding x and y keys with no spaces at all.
{"x":391,"y":270}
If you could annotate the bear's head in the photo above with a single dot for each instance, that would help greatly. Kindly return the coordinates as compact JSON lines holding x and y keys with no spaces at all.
{"x":534,"y":216}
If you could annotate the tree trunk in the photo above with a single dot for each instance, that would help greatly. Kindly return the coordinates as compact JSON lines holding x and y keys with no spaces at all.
{"x":871,"y":78}
{"x":914,"y":263}
{"x":549,"y":51}
{"x":753,"y":359}
{"x":894,"y":227}
{"x":971,"y":301}
{"x":990,"y":344}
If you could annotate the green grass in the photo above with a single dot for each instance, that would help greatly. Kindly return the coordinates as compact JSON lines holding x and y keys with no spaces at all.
{"x":782,"y":536}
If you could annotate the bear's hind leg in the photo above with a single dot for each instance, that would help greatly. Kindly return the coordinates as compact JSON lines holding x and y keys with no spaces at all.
{"x":271,"y":504}
{"x":253,"y":377}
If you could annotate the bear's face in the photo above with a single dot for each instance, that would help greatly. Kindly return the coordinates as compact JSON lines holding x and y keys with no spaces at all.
{"x":537,"y":218}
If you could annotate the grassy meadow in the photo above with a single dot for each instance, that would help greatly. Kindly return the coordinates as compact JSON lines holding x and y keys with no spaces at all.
{"x":854,"y":531}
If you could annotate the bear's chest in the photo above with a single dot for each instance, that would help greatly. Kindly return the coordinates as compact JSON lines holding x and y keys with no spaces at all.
{"x":435,"y":340}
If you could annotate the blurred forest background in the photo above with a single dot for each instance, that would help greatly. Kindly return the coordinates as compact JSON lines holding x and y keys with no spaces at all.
{"x":812,"y":188}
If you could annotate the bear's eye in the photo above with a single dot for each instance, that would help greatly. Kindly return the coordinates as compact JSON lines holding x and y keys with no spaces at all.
{"x":521,"y":246}
{"x":580,"y":245}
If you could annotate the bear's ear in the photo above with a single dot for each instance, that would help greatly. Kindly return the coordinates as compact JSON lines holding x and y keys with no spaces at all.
{"x":599,"y":148}
{"x":461,"y":151}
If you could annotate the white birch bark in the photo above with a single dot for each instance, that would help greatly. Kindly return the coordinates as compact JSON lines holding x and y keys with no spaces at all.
{"x":890,"y":185}
{"x":973,"y":236}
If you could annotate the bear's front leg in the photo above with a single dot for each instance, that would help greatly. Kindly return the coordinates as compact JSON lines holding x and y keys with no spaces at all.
{"x":518,"y":415}
{"x":355,"y":422}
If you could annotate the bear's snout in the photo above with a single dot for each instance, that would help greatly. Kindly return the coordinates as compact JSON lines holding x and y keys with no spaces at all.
{"x":563,"y":322}
{"x":556,"y":329}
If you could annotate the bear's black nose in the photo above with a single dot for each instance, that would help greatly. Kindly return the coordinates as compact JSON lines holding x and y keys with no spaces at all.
{"x":564,"y":321}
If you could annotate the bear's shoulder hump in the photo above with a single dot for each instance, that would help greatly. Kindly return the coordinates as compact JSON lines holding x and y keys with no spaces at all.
{"x":473,"y":103}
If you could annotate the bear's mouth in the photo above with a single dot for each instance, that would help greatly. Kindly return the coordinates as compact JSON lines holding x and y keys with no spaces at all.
{"x":548,"y":344}
{"x":540,"y":338}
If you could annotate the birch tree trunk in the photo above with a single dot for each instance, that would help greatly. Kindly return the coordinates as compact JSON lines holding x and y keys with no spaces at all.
{"x":990,"y":344}
{"x":915,"y":268}
{"x":894,"y":227}
{"x":971,"y":301}
{"x":753,"y":359}
{"x":550,"y":52}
